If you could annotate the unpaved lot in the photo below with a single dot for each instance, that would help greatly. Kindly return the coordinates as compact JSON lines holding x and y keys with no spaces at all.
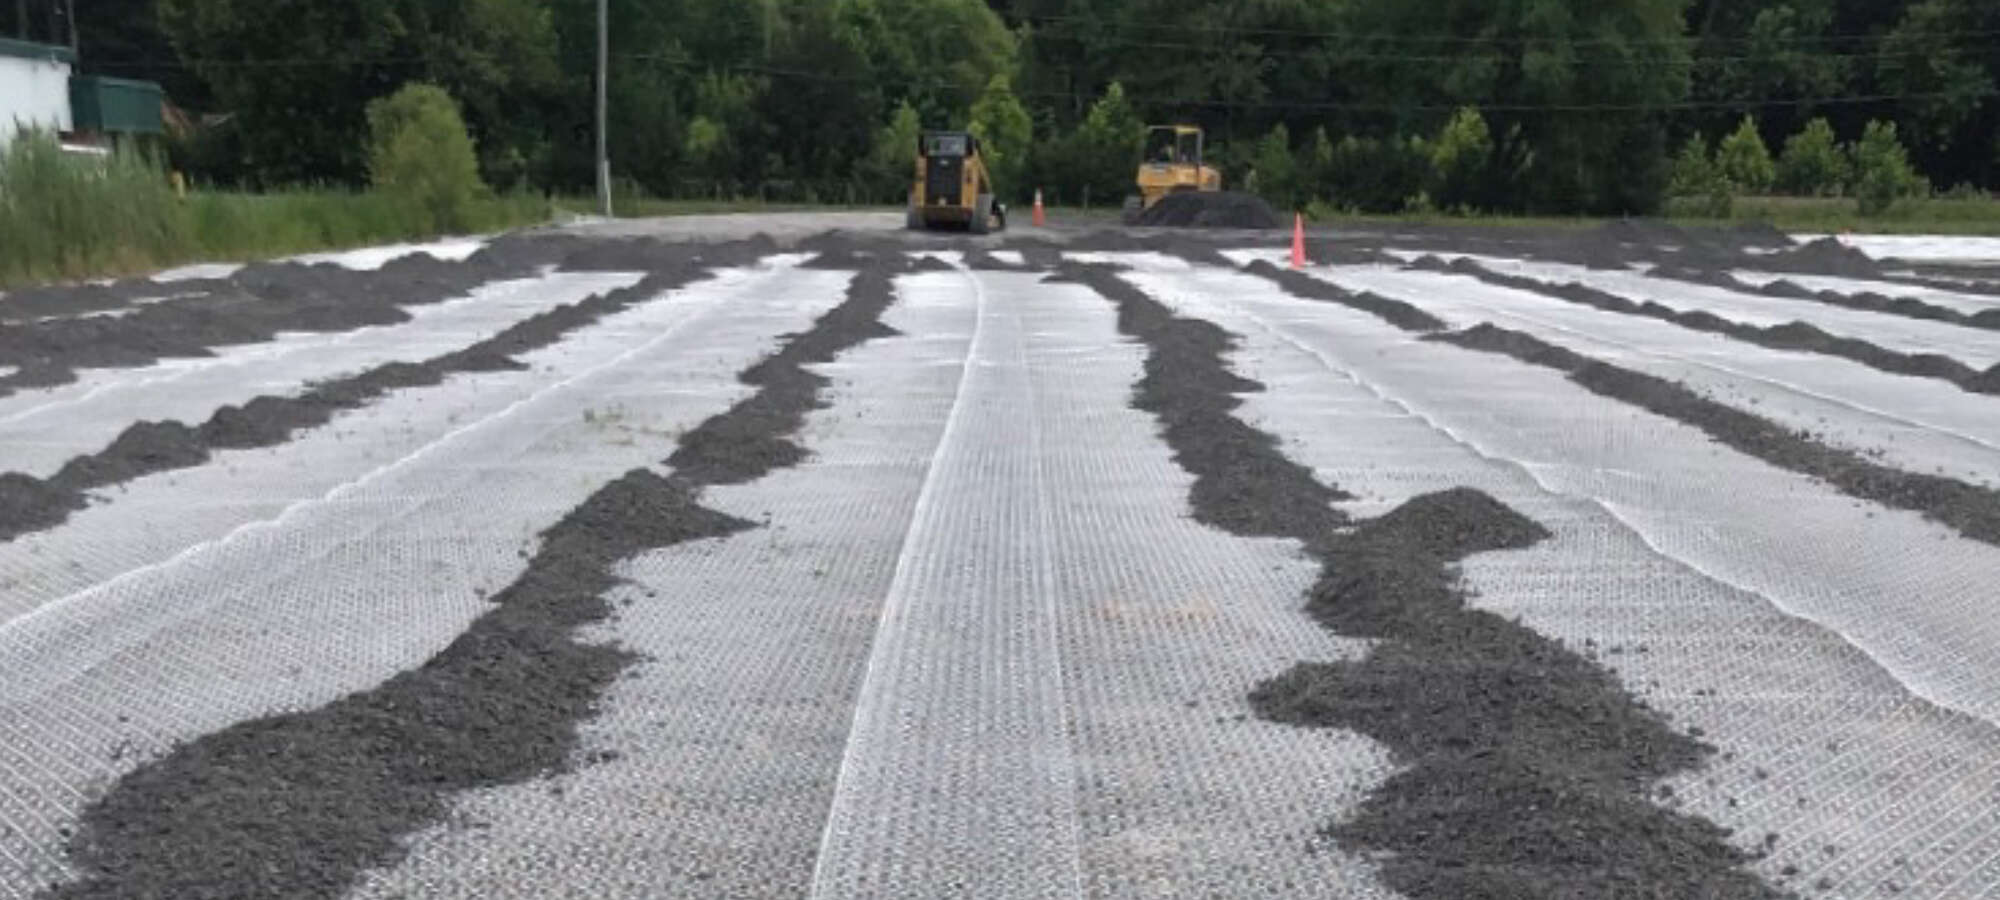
{"x":794,"y":556}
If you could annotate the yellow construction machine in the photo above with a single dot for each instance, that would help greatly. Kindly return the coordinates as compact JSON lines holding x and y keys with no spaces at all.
{"x":953,"y":188}
{"x":1172,"y":165}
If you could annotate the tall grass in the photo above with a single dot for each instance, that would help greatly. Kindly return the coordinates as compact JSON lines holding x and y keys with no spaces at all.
{"x":68,"y":217}
{"x":65,"y":216}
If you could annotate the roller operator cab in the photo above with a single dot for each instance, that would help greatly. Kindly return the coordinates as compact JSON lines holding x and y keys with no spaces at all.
{"x":953,"y":189}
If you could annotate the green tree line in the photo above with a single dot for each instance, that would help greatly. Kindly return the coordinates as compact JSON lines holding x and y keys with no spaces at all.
{"x":1546,"y":106}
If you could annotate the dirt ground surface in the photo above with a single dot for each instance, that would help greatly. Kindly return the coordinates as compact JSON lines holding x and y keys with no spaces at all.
{"x":804,"y":556}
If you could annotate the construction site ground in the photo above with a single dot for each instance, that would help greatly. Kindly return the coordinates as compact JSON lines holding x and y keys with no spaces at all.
{"x":796,"y":556}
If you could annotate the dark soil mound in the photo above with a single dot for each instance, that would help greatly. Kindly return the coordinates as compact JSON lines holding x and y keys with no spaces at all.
{"x":1452,"y":525}
{"x":1827,"y":256}
{"x":140,"y":450}
{"x":1395,"y":312}
{"x":1570,"y":836}
{"x":29,"y":504}
{"x":755,"y":436}
{"x":1761,"y":235}
{"x":1973,"y":510}
{"x":1529,"y":766}
{"x":1218,"y":209}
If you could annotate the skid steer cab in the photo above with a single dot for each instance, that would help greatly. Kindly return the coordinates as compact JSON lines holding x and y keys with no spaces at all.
{"x":953,"y":189}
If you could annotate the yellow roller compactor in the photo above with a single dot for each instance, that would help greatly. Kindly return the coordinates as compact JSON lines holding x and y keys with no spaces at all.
{"x":953,"y":189}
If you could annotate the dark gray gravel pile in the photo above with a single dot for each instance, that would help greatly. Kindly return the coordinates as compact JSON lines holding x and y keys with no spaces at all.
{"x":252,"y":306}
{"x":299,"y":805}
{"x":1396,"y":312}
{"x":28,"y":504}
{"x":1210,"y":209}
{"x":1530,"y":769}
{"x":1972,"y":510}
{"x":1908,"y":307}
{"x":1243,"y":483}
{"x":1796,"y":336}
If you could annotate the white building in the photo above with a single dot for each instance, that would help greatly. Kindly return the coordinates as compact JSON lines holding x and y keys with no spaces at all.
{"x":34,"y":88}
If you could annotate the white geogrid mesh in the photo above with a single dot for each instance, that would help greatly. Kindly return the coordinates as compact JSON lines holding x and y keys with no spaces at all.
{"x":728,"y":735}
{"x":403,"y":515}
{"x":1920,"y":247}
{"x":1976,"y":348}
{"x":1917,"y":424}
{"x":1801,"y":630}
{"x":153,"y":520}
{"x":41,"y":430}
{"x":1054,"y":705}
{"x":450,"y":249}
{"x":1971,"y":304}
{"x":1165,"y":625}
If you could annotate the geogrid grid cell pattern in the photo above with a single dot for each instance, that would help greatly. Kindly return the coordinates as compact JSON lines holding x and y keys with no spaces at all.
{"x":720,"y":754}
{"x":41,"y":430}
{"x":1972,"y":304}
{"x":1868,"y":789}
{"x":979,"y":648}
{"x":1917,"y":424}
{"x":116,"y":673}
{"x":1164,"y":625}
{"x":1166,"y":781}
{"x":716,"y":755}
{"x":152,"y":520}
{"x":1973,"y":347}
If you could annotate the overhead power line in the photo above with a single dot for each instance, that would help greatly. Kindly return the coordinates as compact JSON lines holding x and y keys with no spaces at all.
{"x":1344,"y":106}
{"x":1346,"y":54}
{"x":1449,"y":39}
{"x":682,"y":62}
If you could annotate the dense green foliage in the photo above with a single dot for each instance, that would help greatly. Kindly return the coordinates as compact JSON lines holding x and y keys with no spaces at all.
{"x":1580,"y":100}
{"x":1812,"y":164}
{"x":420,"y":153}
{"x":1744,"y":160}
{"x":1882,"y":173}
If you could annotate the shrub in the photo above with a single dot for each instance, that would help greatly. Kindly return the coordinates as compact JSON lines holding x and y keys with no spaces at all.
{"x":887,"y":171}
{"x":1462,"y":160}
{"x":1882,"y":172}
{"x":1378,"y":176}
{"x":1106,"y":147}
{"x":419,"y":151}
{"x":1696,"y":176}
{"x":1275,"y":171}
{"x":1812,"y":163}
{"x":1006,"y":134}
{"x":1744,"y":160}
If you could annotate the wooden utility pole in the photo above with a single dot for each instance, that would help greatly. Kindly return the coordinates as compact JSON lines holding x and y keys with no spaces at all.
{"x":75,"y":46}
{"x":21,"y":19}
{"x":603,"y":92}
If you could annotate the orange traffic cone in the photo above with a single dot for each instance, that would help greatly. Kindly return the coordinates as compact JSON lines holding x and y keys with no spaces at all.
{"x":1298,"y":241}
{"x":1041,"y":217}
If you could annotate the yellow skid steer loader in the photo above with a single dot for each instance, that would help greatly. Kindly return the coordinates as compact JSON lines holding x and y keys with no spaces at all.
{"x":953,"y":188}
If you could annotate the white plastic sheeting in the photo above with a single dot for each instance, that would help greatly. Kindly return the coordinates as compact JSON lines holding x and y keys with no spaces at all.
{"x":251,"y":598}
{"x":1801,"y":630}
{"x":40,"y":430}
